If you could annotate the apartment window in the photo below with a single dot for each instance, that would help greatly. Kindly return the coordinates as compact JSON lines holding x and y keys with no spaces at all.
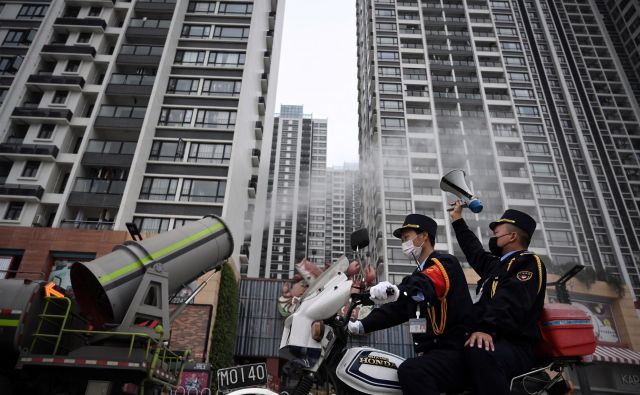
{"x":386,"y":26}
{"x":210,"y":153}
{"x":397,"y":184}
{"x":10,"y":64}
{"x":72,"y":66}
{"x":518,"y":77}
{"x":227,"y":59}
{"x":190,"y":57}
{"x":228,"y":32}
{"x":159,"y":188}
{"x":400,"y":207}
{"x":167,"y":151}
{"x":194,"y":190}
{"x":527,"y":111}
{"x":507,"y":31}
{"x":503,"y":18}
{"x":215,"y":119}
{"x":19,"y":37}
{"x":183,"y":86}
{"x":548,"y":191}
{"x":522,"y":93}
{"x":532,"y":130}
{"x":393,"y":122}
{"x":392,"y":41}
{"x":13,"y":211}
{"x":390,"y":88}
{"x":389,"y":71}
{"x":175,"y":117}
{"x":385,"y":12}
{"x":196,"y":31}
{"x":32,"y":11}
{"x":60,"y":97}
{"x":202,"y":7}
{"x":560,"y":237}
{"x":542,"y":169}
{"x":46,"y":131}
{"x":84,"y":38}
{"x":151,"y":225}
{"x":95,"y":11}
{"x":537,"y":148}
{"x":235,"y":8}
{"x":31,"y":168}
{"x":221,"y":87}
{"x":3,"y":94}
{"x":388,"y":56}
{"x":392,"y":105}
{"x":554,"y":213}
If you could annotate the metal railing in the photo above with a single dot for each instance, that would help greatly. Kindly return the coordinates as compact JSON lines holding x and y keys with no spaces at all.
{"x":150,"y":23}
{"x":132,"y":79}
{"x":96,"y":185}
{"x":91,"y":225}
{"x":142,"y":50}
{"x":122,"y":112}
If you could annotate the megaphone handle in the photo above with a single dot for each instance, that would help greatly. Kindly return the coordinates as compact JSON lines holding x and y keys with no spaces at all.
{"x":463,"y":205}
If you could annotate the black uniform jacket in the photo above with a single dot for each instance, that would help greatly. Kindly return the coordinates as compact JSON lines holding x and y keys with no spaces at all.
{"x":458,"y":312}
{"x":512,"y":290}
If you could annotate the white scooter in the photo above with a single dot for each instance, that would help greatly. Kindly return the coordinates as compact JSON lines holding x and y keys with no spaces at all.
{"x":315,"y":342}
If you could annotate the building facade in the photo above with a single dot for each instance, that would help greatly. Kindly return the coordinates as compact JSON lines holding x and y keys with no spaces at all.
{"x":530,"y":98}
{"x":343,"y":210}
{"x":136,"y":111}
{"x":294,"y":216}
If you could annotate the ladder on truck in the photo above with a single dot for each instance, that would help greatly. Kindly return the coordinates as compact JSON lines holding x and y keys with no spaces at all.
{"x":53,"y":321}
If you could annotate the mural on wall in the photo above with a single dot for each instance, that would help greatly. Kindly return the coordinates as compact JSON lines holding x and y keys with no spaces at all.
{"x":307,"y":272}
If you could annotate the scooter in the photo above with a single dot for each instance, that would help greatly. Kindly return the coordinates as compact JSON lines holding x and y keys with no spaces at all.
{"x":315,"y":343}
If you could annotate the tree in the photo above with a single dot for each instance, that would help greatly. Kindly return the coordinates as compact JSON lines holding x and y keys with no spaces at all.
{"x":223,"y":336}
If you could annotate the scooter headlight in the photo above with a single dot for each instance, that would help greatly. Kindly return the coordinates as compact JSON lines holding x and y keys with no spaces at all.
{"x":317,"y":330}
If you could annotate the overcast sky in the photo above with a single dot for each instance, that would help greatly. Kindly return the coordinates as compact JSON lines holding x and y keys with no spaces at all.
{"x":318,"y":69}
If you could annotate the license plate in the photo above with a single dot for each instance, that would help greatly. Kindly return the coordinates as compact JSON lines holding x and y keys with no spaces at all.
{"x":254,"y":375}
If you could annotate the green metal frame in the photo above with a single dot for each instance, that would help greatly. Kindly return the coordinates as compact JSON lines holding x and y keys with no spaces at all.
{"x":154,"y":349}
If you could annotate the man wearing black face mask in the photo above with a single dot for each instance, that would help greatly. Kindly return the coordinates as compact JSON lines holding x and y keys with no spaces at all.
{"x":510,"y":298}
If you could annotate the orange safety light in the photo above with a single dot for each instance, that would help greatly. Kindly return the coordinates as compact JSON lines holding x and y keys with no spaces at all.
{"x":49,"y":291}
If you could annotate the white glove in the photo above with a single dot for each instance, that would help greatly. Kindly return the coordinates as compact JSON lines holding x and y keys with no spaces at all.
{"x":379,"y":295}
{"x":355,"y":328}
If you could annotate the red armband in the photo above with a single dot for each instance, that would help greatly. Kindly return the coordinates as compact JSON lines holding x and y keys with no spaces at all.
{"x":439,"y":277}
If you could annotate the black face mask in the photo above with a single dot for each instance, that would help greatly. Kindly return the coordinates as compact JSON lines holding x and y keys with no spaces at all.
{"x":494,"y":248}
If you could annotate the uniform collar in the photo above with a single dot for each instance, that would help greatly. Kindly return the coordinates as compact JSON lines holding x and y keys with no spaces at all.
{"x":508,"y":254}
{"x":423,"y":263}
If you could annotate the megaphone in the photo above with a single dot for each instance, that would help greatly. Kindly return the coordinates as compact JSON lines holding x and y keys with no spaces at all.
{"x":454,"y":182}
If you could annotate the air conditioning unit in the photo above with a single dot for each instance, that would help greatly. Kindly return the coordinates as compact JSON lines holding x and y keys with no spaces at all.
{"x":38,"y":220}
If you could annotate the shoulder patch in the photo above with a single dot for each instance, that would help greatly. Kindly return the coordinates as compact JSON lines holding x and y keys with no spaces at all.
{"x":524,"y":275}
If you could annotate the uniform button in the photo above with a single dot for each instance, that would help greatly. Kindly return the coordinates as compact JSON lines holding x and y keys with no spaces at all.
{"x":416,"y":343}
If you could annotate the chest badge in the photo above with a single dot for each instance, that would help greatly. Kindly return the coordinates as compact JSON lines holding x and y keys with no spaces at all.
{"x":524,"y":275}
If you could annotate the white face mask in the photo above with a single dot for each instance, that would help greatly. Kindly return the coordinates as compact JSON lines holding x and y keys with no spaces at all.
{"x":409,"y":249}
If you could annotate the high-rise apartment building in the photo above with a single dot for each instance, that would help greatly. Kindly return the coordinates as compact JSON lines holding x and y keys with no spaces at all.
{"x":142,"y":111}
{"x":343,"y":210}
{"x":530,"y":98}
{"x":294,"y":216}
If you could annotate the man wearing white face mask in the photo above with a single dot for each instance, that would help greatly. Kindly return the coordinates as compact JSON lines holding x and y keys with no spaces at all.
{"x":435,"y":300}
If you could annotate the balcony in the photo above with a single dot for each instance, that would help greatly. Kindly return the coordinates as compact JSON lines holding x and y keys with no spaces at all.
{"x":140,"y":55}
{"x":69,"y":82}
{"x":255,"y":157}
{"x":258,"y":129}
{"x":91,"y":225}
{"x":244,"y":253}
{"x":267,"y":60}
{"x":93,"y":192}
{"x":120,"y":117}
{"x":264,"y":83}
{"x":148,"y":30}
{"x":61,"y":51}
{"x":253,"y":186}
{"x":270,"y":39}
{"x":27,"y":192}
{"x":261,"y":105}
{"x":28,"y":151}
{"x":272,"y":20}
{"x":93,"y":25}
{"x":108,"y":153}
{"x":54,"y":115}
{"x":130,"y":85}
{"x":155,"y":7}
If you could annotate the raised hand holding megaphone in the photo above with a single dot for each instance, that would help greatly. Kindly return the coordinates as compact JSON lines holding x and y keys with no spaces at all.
{"x":455,"y":183}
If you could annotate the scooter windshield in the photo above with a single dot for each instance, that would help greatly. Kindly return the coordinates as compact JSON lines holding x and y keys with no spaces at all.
{"x":340,"y":266}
